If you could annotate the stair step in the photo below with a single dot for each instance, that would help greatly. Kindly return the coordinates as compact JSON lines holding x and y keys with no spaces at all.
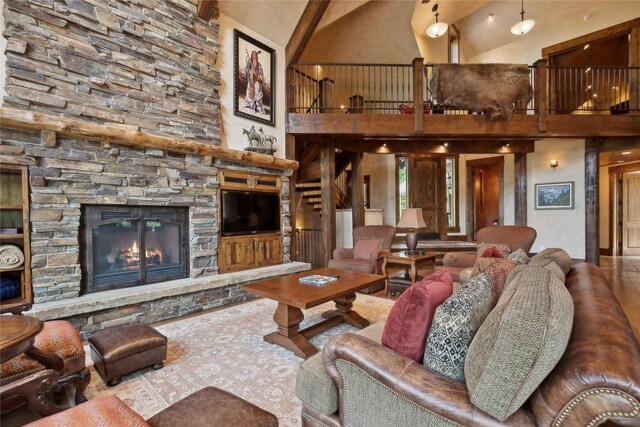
{"x":314,"y":200}
{"x":313,"y":193}
{"x":308,"y":185}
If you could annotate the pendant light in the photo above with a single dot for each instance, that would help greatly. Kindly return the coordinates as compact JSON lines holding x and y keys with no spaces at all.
{"x":439,"y":28}
{"x":523,"y":27}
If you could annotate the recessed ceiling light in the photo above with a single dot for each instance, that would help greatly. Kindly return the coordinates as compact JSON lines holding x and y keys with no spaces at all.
{"x":626,"y":153}
{"x":595,"y":95}
{"x":620,"y":161}
{"x":589,"y":87}
{"x":587,"y":70}
{"x":490,"y":17}
{"x":586,"y":46}
{"x":446,"y":144}
{"x":384,"y":145}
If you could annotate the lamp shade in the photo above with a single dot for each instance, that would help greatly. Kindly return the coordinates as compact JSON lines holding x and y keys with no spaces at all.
{"x":411,"y":218}
{"x":523,"y":27}
{"x":437,"y":29}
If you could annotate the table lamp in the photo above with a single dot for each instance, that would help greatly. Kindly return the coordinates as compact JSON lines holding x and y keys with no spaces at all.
{"x":411,"y":218}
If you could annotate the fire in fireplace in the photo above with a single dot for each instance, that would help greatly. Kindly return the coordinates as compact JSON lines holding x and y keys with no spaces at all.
{"x":130,"y":246}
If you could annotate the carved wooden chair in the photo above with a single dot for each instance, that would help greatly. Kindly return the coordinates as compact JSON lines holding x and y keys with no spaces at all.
{"x":56,"y":359}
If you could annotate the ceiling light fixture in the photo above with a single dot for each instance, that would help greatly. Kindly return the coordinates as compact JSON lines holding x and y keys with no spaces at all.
{"x":626,"y":153}
{"x":586,"y":46}
{"x":445,"y":144}
{"x":523,"y":27}
{"x":490,"y":17}
{"x":439,"y":28}
{"x":587,"y":70}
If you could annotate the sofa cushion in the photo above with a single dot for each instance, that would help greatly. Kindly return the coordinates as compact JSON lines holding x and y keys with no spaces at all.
{"x":560,"y":256}
{"x":353,"y":265}
{"x":315,"y":387}
{"x":454,"y":325}
{"x":410,"y":318}
{"x":520,"y":257}
{"x":365,"y":247}
{"x":519,"y":343}
{"x":550,"y":264}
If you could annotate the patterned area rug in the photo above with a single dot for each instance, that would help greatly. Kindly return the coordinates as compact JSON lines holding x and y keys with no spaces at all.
{"x":225,"y":349}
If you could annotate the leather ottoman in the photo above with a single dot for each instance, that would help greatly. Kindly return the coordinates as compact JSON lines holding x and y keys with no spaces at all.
{"x":121,"y":350}
{"x":212,"y":406}
{"x":400,"y":283}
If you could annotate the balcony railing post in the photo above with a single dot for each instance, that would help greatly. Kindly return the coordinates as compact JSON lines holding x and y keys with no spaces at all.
{"x":291,"y":90}
{"x":418,"y":99}
{"x":541,"y":100}
{"x":634,"y":61}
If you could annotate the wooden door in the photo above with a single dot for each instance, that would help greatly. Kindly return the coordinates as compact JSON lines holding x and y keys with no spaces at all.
{"x":236,"y":253}
{"x":484,"y":193}
{"x":426,"y":191}
{"x":631,"y":214}
{"x":268,"y":250}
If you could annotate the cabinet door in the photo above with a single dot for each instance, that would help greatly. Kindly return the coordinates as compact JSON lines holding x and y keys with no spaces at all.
{"x":236,"y":254}
{"x":268,"y":250}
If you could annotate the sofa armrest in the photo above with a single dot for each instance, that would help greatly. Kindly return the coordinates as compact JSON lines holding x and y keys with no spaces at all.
{"x":459,"y":259}
{"x":435,"y":393}
{"x":343,"y":253}
{"x":379,"y":254}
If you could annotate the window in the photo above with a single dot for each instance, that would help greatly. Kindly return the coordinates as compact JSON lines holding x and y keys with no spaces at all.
{"x":403,"y":184}
{"x":454,"y":45}
{"x":451,"y":189}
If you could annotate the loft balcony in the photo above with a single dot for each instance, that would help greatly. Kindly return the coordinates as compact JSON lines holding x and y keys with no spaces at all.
{"x":355,"y":104}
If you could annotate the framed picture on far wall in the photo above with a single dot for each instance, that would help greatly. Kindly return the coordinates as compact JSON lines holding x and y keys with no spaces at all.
{"x":554,"y":195}
{"x":254,"y":79}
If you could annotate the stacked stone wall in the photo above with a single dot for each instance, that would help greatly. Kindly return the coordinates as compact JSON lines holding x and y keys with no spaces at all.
{"x":148,"y":63}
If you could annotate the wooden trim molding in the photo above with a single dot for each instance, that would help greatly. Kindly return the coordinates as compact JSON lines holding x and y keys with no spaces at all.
{"x":133,"y":136}
{"x":607,"y":33}
{"x":208,"y":9}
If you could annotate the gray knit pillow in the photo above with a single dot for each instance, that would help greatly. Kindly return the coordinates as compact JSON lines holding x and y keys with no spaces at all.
{"x":549,"y":263}
{"x":519,"y":343}
{"x":520,"y":257}
{"x":560,"y":256}
{"x":454,"y":325}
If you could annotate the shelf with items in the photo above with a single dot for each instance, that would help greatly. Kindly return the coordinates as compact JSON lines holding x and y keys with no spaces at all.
{"x":14,"y":221}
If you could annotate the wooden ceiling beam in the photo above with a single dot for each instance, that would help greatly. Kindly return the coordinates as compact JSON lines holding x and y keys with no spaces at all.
{"x":304,"y":30}
{"x":436,"y":147}
{"x":134,"y":136}
{"x":208,"y":9}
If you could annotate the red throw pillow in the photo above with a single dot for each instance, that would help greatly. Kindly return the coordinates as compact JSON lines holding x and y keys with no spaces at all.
{"x":492,"y":252}
{"x":365,"y":247}
{"x":409,"y":320}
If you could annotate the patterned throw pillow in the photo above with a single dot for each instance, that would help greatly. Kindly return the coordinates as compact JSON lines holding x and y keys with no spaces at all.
{"x":409,"y":320}
{"x":520,"y":257}
{"x":498,"y":271}
{"x":365,"y":247}
{"x":519,"y":343}
{"x":454,"y":325}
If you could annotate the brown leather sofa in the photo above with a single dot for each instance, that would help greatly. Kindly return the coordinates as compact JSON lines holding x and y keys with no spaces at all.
{"x":514,"y":236}
{"x":597,"y":378}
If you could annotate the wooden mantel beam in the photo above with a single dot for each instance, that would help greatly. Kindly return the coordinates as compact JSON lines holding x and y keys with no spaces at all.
{"x":206,"y":9}
{"x":304,"y":30}
{"x":132,"y":136}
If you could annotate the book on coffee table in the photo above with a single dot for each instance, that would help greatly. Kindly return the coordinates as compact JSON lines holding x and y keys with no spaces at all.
{"x":317,"y":280}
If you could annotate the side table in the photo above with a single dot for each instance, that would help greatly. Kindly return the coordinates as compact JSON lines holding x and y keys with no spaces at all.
{"x":409,"y":261}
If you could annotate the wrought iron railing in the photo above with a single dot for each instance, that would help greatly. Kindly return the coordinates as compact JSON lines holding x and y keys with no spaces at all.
{"x":389,"y":89}
{"x":593,"y":89}
{"x":309,"y":246}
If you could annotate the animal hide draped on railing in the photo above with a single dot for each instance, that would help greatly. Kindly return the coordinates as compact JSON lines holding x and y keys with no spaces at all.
{"x":492,"y":89}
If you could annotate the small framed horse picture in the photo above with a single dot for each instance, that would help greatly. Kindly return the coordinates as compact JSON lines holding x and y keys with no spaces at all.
{"x":254,"y":79}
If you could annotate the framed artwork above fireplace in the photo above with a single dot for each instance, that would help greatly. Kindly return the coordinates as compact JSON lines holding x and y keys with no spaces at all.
{"x":131,"y":246}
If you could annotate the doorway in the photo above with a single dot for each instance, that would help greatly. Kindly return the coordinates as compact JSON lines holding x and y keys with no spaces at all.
{"x":485,"y":183}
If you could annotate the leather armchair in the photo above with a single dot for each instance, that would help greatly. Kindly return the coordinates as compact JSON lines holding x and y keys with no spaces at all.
{"x":343,"y":258}
{"x":56,"y":359}
{"x":515,"y":236}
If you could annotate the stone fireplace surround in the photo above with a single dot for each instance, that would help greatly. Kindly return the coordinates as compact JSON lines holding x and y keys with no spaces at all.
{"x":75,"y":172}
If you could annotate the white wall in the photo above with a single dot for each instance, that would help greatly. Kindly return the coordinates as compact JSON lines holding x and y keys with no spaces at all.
{"x":232,"y":126}
{"x":381,"y":168}
{"x":558,"y":228}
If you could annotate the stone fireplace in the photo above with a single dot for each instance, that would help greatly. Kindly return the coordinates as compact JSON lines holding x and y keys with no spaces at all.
{"x":131,"y":246}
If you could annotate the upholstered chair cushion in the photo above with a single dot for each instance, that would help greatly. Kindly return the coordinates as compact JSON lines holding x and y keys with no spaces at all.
{"x":560,"y":256}
{"x":454,"y":324}
{"x":519,"y":343}
{"x":99,"y":411}
{"x":520,"y":257}
{"x":410,"y":317}
{"x":58,"y":337}
{"x":365,"y":247}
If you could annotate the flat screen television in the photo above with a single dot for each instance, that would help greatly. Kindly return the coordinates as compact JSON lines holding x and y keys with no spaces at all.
{"x":250,"y":212}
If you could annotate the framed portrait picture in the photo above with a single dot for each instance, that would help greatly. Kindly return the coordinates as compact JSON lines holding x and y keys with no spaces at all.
{"x":554,"y":195}
{"x":254,"y":79}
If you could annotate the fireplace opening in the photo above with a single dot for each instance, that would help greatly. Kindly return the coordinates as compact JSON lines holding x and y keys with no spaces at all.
{"x":131,"y":246}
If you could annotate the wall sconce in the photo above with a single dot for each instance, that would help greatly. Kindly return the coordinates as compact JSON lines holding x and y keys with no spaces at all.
{"x":553,"y":163}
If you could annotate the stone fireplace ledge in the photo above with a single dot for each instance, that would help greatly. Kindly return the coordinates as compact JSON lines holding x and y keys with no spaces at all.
{"x":122,"y":297}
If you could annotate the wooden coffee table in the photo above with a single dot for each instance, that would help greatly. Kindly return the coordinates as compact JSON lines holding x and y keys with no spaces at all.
{"x":293,"y":296}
